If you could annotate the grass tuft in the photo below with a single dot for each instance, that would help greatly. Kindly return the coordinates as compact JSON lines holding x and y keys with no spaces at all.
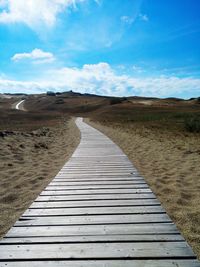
{"x":192,"y":124}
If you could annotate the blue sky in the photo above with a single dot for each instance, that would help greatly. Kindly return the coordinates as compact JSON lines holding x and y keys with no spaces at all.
{"x":129,"y":47}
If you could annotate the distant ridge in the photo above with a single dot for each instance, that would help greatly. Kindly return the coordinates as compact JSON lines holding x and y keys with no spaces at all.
{"x":77,"y":94}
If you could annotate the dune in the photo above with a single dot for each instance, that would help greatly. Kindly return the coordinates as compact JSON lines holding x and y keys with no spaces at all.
{"x":29,"y":161}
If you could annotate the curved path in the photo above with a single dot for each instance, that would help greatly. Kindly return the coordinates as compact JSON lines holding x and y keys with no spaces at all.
{"x":19,"y":105}
{"x":97,"y":212}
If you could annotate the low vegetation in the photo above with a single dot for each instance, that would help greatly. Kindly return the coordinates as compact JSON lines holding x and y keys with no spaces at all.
{"x":117,"y":100}
{"x":192,"y":124}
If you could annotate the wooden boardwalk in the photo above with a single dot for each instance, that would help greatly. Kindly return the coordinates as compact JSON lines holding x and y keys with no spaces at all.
{"x":97,"y":212}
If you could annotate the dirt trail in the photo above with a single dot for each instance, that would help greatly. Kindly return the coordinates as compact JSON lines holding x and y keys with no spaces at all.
{"x":19,"y":105}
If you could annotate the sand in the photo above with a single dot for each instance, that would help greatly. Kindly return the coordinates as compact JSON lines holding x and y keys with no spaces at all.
{"x":28,"y":162}
{"x":170,"y":164}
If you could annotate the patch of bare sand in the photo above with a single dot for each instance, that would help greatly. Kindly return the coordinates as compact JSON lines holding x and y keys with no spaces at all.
{"x":144,"y":102}
{"x":170,"y":164}
{"x":29,"y":161}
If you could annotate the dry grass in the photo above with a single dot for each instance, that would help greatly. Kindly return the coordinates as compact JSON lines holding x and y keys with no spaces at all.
{"x":169,"y":161}
{"x":30,"y":156}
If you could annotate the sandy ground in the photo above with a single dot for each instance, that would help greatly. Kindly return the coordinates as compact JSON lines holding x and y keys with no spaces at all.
{"x":28,"y":162}
{"x":170,"y":163}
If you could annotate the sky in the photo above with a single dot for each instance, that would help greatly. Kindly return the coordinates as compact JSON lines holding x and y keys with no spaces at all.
{"x":105,"y":47}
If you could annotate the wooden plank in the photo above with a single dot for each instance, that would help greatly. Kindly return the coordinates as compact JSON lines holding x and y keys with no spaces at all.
{"x":101,"y":170}
{"x":132,"y":174}
{"x":88,"y":187}
{"x":108,"y":173}
{"x":100,"y":175}
{"x":105,"y":263}
{"x":91,"y":197}
{"x":96,"y":182}
{"x":122,"y":163}
{"x":85,"y":230}
{"x":74,"y":175}
{"x":97,"y":203}
{"x":97,"y":250}
{"x":98,"y":178}
{"x":93,"y":238}
{"x":98,"y":169}
{"x":101,"y":219}
{"x":96,"y":191}
{"x":85,"y":157}
{"x":90,"y":165}
{"x":95,"y":167}
{"x":95,"y":210}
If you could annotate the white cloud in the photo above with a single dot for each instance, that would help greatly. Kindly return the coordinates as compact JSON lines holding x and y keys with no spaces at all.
{"x":33,"y":13}
{"x":37,"y":55}
{"x":166,"y":86}
{"x":127,"y":20}
{"x":143,"y":17}
{"x":102,"y":79}
{"x":137,"y":69}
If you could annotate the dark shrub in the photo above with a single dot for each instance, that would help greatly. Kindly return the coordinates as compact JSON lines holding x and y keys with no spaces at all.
{"x":50,"y":93}
{"x":192,"y":124}
{"x":117,"y":100}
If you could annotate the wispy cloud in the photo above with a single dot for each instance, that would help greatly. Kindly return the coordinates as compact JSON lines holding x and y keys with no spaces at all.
{"x":182,"y":31}
{"x":137,"y":69}
{"x":127,"y":19}
{"x":33,"y":13}
{"x":130,"y":20}
{"x":102,"y":79}
{"x":37,"y":56}
{"x":143,"y":17}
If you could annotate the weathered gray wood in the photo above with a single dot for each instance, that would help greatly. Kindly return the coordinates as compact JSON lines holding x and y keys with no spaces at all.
{"x":90,"y":170}
{"x":97,"y":203}
{"x":95,"y":182}
{"x":103,"y":173}
{"x":98,"y":180}
{"x":72,"y":175}
{"x":95,"y":210}
{"x":101,"y":219}
{"x":91,"y":197}
{"x":95,"y":191}
{"x":97,"y":250}
{"x":88,"y":187}
{"x":109,"y":229}
{"x":105,"y":263}
{"x":93,"y":238}
{"x":95,"y":171}
{"x":96,"y":165}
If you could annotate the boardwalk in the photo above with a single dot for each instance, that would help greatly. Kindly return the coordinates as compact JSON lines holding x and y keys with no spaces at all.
{"x":97,"y":212}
